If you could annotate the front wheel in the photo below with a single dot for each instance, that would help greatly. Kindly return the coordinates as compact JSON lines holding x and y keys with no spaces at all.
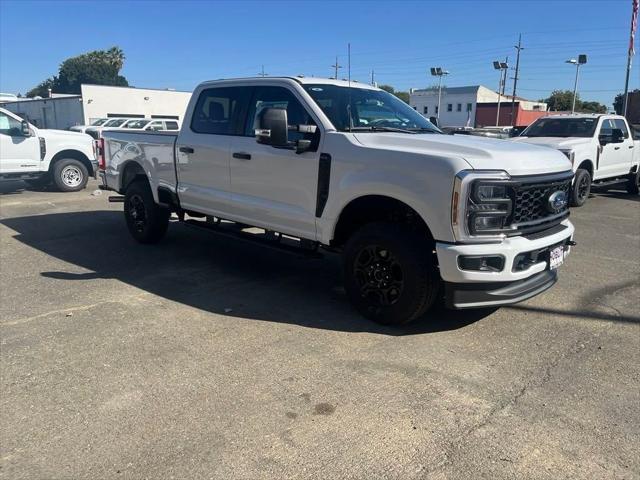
{"x":390,"y":276}
{"x":581,"y":188}
{"x":633,"y":185}
{"x":146,"y":220}
{"x":70,"y":175}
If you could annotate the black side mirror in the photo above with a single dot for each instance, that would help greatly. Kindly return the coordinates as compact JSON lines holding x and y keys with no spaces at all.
{"x":272,"y":127}
{"x":26,"y":131}
{"x":617,"y":136}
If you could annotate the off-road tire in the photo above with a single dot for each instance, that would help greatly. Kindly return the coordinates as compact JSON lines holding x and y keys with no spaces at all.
{"x":412,"y":262}
{"x":581,"y":188}
{"x":146,"y":220}
{"x":633,"y":185}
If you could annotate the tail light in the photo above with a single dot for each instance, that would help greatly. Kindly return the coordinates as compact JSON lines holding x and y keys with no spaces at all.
{"x":102,"y":164}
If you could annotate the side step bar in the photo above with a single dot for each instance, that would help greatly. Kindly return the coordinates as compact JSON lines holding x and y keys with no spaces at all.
{"x":268,"y":239}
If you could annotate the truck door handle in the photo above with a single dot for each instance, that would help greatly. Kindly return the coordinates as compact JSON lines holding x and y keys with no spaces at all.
{"x":631,"y":146}
{"x":242,"y":155}
{"x":616,"y":148}
{"x":186,"y":149}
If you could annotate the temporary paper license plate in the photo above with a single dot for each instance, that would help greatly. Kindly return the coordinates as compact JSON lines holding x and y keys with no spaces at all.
{"x":556,"y":257}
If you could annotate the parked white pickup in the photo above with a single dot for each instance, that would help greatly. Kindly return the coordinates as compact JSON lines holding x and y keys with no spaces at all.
{"x":353,"y":169}
{"x":601,"y":148}
{"x":42,"y":156}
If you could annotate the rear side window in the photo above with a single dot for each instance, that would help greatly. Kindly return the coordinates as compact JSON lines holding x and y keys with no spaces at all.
{"x":619,"y":123}
{"x":218,"y":110}
{"x":171,"y":125}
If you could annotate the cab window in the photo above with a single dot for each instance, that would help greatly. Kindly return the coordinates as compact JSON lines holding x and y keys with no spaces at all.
{"x":218,"y":109}
{"x":278,"y":97}
{"x":10,"y":126}
{"x":621,"y":124}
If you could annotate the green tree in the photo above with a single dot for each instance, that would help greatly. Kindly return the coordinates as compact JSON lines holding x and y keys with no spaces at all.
{"x":404,"y":96}
{"x":100,"y":67}
{"x":562,"y":100}
{"x":618,"y":102}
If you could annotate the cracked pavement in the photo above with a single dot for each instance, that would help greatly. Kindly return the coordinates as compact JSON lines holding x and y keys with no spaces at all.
{"x":204,"y":357}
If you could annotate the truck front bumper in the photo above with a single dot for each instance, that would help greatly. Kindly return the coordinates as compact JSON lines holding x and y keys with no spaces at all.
{"x":512,"y":284}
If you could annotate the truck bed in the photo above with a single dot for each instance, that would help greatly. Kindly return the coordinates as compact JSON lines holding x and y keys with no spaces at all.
{"x":153,"y":150}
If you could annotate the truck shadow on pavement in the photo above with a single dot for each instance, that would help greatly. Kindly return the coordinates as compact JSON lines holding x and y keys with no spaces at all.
{"x":214,"y":274}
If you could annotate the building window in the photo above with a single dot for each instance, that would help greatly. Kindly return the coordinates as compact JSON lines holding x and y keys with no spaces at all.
{"x":449,"y":107}
{"x":437,"y":109}
{"x":536,"y":107}
{"x":415,"y":108}
{"x":425,"y":110}
{"x":469,"y":107}
{"x":459,"y":107}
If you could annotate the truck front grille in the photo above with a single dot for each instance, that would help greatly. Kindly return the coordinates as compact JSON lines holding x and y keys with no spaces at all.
{"x":531,"y":210}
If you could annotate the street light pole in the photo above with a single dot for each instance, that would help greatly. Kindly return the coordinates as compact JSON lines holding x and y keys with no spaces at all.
{"x":582,"y":59}
{"x":502,"y":66}
{"x":439,"y":72}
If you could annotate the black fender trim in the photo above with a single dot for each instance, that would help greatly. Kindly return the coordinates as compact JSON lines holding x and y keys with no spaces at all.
{"x":324,"y":179}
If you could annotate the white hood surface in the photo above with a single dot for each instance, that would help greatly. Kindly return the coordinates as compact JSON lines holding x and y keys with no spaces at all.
{"x":60,"y":133}
{"x":480,"y":153}
{"x":561,"y":143}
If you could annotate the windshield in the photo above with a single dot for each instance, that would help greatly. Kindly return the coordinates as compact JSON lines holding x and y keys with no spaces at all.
{"x":116,"y":122}
{"x":137,"y":123}
{"x":561,"y":127}
{"x":99,"y":122}
{"x":370,"y":109}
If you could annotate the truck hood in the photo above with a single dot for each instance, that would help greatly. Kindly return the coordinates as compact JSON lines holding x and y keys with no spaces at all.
{"x":559,"y":143}
{"x":480,"y":153}
{"x":49,"y":133}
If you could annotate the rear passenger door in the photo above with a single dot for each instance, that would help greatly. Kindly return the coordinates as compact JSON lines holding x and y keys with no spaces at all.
{"x":275,"y":187}
{"x":202,"y":149}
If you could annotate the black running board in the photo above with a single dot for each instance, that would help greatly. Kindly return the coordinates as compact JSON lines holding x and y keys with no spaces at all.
{"x":268,"y":239}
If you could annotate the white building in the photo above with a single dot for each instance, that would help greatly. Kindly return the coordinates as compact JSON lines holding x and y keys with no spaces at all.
{"x":99,"y":101}
{"x":458,"y":104}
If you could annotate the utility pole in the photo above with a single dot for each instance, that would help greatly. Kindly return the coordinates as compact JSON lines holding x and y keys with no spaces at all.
{"x":262,"y":74}
{"x":630,"y":53}
{"x":336,"y":66}
{"x":582,"y":59}
{"x":439,"y":72}
{"x":503,"y":67}
{"x":373,"y":77}
{"x":515,"y":81}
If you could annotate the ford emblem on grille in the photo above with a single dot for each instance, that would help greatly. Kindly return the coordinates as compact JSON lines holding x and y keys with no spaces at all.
{"x":557,"y":201}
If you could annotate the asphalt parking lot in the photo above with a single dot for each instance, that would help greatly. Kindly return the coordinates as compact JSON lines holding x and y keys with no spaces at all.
{"x":204,"y":357}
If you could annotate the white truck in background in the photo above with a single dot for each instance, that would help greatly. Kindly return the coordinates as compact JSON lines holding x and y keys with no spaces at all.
{"x":41,"y":156}
{"x":601,"y":147}
{"x":350,"y":168}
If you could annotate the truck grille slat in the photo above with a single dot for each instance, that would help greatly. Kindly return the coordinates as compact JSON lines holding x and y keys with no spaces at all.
{"x":531,"y":201}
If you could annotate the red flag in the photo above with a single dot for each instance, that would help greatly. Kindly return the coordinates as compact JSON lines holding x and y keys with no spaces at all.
{"x":634,"y":27}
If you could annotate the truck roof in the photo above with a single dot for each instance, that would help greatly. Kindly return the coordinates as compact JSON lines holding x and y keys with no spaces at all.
{"x":300,"y":79}
{"x":582,"y":115}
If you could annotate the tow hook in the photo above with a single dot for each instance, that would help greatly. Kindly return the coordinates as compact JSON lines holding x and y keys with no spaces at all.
{"x":570,"y":243}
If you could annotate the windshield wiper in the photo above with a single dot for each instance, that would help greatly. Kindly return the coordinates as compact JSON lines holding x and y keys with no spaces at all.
{"x":380,"y":129}
{"x":423,"y":130}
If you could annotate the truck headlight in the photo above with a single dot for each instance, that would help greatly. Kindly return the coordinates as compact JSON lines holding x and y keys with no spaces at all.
{"x":481,"y":205}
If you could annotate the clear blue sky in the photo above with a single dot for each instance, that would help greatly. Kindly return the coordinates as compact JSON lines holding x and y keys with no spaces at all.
{"x":179,"y":44}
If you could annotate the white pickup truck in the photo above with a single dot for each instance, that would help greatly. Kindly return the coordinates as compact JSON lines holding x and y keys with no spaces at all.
{"x":601,"y":148}
{"x":39,"y":156}
{"x":350,"y":168}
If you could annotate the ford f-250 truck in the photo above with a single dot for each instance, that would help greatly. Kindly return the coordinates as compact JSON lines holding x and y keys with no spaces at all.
{"x":353,"y":169}
{"x":601,"y":148}
{"x":41,"y":156}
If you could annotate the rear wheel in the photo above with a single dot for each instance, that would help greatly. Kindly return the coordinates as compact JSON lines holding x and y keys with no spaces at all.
{"x":581,"y":188}
{"x":146,"y":220}
{"x":70,"y":175}
{"x":633,"y":185}
{"x":390,"y":276}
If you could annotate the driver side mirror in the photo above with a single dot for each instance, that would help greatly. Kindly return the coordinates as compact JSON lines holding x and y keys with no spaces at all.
{"x":272,"y":127}
{"x":25,"y":130}
{"x":617,"y":136}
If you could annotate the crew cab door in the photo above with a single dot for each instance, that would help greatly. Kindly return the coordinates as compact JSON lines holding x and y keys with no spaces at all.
{"x":274,"y":187}
{"x":615,"y":158}
{"x":17,"y":152}
{"x":202,"y":149}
